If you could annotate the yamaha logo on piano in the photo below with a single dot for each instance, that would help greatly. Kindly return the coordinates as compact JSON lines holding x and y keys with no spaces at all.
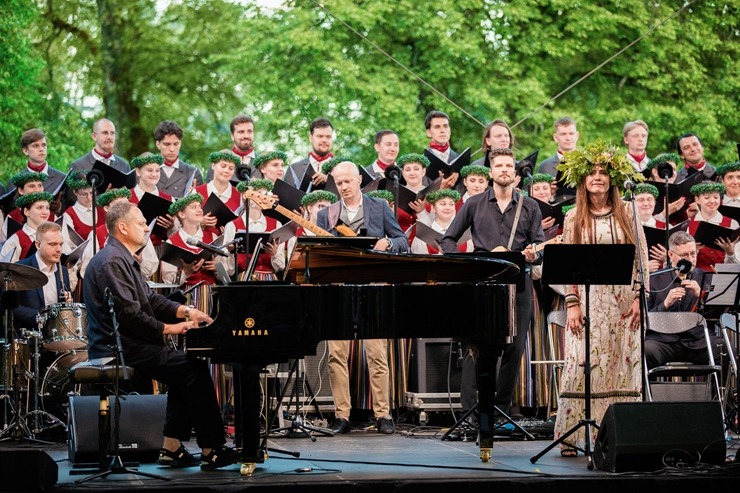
{"x":249,"y":330}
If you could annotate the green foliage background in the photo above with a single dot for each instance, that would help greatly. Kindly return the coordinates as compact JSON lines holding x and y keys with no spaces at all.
{"x":367,"y":65}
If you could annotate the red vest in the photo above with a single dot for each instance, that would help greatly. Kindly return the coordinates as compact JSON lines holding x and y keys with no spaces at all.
{"x":207,"y":276}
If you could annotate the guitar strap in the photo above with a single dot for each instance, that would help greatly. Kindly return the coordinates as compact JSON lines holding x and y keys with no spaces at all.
{"x":519,"y":204}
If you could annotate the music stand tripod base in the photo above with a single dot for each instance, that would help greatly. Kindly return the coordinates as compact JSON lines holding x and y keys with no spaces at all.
{"x":582,"y":264}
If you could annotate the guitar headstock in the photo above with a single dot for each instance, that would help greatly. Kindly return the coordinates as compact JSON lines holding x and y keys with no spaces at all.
{"x":262,"y":200}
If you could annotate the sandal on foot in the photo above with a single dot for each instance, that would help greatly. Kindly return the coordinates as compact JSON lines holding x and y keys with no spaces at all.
{"x":568,"y":452}
{"x":219,"y":457}
{"x":179,"y":458}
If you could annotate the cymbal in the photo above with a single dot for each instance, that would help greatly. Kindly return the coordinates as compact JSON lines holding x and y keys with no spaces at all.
{"x":19,"y":277}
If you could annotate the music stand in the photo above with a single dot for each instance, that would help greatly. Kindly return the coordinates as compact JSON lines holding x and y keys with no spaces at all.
{"x":584,"y":265}
{"x":726,"y":285}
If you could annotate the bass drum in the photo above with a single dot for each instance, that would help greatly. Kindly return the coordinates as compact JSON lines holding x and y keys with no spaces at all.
{"x":56,"y":386}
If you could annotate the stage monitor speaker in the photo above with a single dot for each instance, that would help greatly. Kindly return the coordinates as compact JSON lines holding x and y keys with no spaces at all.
{"x":431,"y":361}
{"x":647,"y":436}
{"x":141,"y":426}
{"x":27,"y":469}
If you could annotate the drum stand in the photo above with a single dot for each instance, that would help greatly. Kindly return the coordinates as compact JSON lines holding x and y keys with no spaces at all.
{"x":16,"y":429}
{"x":37,"y":413}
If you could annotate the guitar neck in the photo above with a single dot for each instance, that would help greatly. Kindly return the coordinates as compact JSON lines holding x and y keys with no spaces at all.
{"x":303,"y":222}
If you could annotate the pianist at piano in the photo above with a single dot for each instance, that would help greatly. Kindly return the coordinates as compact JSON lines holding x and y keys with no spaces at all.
{"x":144,"y":319}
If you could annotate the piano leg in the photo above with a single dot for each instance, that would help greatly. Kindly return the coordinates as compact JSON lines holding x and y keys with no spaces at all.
{"x":488,"y":356}
{"x":247,"y":394}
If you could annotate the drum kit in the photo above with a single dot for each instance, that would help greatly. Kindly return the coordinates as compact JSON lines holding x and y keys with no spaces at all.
{"x":32,"y":405}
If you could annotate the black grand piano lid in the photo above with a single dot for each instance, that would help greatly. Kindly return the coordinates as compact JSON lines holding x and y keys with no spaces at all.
{"x":337,"y":260}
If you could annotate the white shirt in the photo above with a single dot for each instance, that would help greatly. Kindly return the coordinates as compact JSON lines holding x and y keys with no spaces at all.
{"x":224,"y":197}
{"x":444,"y":156}
{"x":51,"y":296}
{"x":11,"y":251}
{"x":716,"y":219}
{"x":98,"y":157}
{"x":168,"y":170}
{"x":730,"y":202}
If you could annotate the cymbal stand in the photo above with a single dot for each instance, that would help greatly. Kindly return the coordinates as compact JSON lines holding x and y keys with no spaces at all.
{"x":37,"y":413}
{"x":17,"y":427}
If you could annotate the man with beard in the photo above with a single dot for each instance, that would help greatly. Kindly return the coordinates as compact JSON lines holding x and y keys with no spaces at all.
{"x":321,"y":136}
{"x":104,"y":136}
{"x":177,"y":177}
{"x":242,"y":135}
{"x":492,"y":218}
{"x":690,"y":148}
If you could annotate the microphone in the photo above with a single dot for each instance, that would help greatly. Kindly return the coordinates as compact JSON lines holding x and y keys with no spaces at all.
{"x":629,"y":184}
{"x":459,"y":355}
{"x":94,"y":177}
{"x":665,"y":170}
{"x":205,"y":246}
{"x":108,"y":296}
{"x":393,"y":172}
{"x":243,"y":172}
{"x":524,"y":168}
{"x":683,"y":266}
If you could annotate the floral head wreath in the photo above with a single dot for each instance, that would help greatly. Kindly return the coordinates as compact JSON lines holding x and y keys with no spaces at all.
{"x":111,"y":195}
{"x":181,"y":203}
{"x":581,"y":162}
{"x":266,"y":158}
{"x":474,"y":169}
{"x":444,"y":193}
{"x":318,"y":196}
{"x":539,"y":178}
{"x":664,"y":158}
{"x":728,"y":168}
{"x":78,"y":181}
{"x":413,"y":158}
{"x":707,"y":187}
{"x":328,"y":166}
{"x":257,"y":184}
{"x":647,"y":188}
{"x":20,"y":179}
{"x":29,"y":199}
{"x":147,"y":158}
{"x":381,"y":194}
{"x":215,"y":157}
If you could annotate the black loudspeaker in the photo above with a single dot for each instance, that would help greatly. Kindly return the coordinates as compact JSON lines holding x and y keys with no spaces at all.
{"x":140,"y":427}
{"x":647,"y":436}
{"x":27,"y":469}
{"x":430,"y":363}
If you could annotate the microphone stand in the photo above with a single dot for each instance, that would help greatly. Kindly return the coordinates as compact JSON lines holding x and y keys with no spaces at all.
{"x":666,"y":174}
{"x":116,"y":464}
{"x":395,"y":194}
{"x":642,"y":295}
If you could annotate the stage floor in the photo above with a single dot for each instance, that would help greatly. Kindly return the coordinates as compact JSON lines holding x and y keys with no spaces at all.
{"x":414,"y":459}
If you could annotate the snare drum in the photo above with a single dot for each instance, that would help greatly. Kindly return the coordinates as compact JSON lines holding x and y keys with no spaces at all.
{"x":64,"y":327}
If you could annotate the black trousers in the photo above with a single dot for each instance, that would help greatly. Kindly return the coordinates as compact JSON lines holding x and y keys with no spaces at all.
{"x":509,"y":363}
{"x":191,"y":397}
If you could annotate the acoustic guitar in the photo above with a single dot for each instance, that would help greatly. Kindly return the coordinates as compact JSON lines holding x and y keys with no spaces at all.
{"x":271,"y":202}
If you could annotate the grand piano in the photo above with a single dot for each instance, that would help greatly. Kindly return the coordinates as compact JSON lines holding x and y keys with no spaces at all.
{"x":332,"y":291}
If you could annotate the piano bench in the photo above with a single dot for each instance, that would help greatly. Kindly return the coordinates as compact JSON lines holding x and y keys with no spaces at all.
{"x":98,"y":372}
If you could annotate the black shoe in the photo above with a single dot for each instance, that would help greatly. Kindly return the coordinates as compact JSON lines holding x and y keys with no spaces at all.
{"x":179,"y":458}
{"x":219,"y":457}
{"x":385,"y":426}
{"x":341,"y":426}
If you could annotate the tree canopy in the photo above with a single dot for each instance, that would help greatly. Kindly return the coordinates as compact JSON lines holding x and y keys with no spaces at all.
{"x":366,"y":66}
